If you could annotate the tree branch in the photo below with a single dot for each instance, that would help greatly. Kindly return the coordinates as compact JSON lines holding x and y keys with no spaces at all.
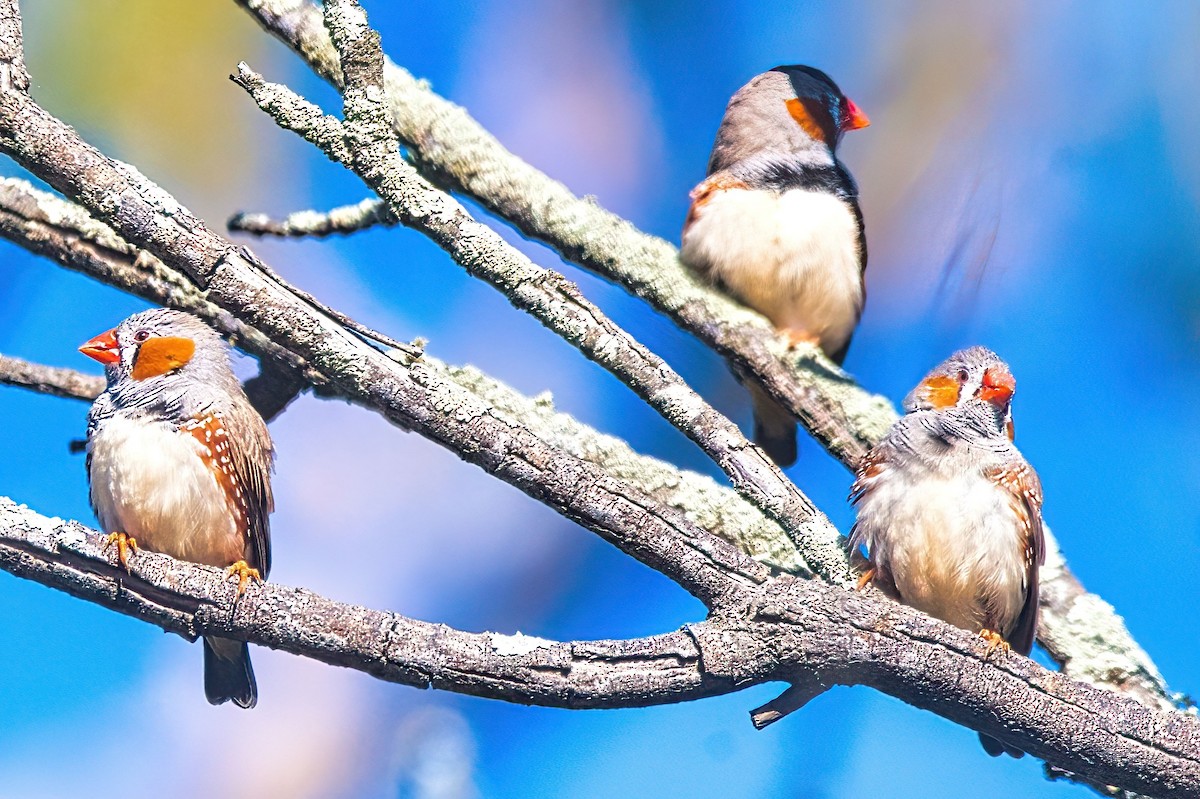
{"x":367,"y":147}
{"x":47,"y":225}
{"x":193,"y":600}
{"x":409,"y":395}
{"x":1079,"y":630}
{"x":706,"y":504}
{"x":454,"y":151}
{"x":763,"y":628}
{"x":554,"y":301}
{"x":270,"y":391}
{"x":803,"y":631}
{"x":66,"y":383}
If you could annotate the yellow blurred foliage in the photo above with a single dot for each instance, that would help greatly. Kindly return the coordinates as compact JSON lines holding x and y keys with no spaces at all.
{"x":147,"y":81}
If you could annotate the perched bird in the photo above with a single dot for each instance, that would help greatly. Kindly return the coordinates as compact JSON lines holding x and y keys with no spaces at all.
{"x":951,"y":512}
{"x":179,"y":462}
{"x":777,"y":225}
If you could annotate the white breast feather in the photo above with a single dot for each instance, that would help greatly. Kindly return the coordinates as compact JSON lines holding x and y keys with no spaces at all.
{"x":947,"y":541}
{"x":794,"y":257}
{"x":148,"y":481}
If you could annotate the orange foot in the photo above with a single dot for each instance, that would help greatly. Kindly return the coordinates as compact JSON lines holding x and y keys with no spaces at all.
{"x":245,"y":573}
{"x":865,"y":578}
{"x":126,"y":544}
{"x":797,"y":337}
{"x":994,"y":641}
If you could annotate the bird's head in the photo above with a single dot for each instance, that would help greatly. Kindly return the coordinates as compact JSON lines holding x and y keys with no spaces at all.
{"x":818,"y":106}
{"x":974,"y":380}
{"x":159,"y":347}
{"x":789,"y":111}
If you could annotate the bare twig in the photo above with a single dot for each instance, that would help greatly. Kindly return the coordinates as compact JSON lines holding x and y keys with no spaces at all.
{"x":791,"y":700}
{"x":50,"y":380}
{"x":346,"y":219}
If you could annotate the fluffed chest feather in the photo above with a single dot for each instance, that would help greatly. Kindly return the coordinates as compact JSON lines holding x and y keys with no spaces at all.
{"x":150,"y":481}
{"x":794,"y":256}
{"x":951,"y":543}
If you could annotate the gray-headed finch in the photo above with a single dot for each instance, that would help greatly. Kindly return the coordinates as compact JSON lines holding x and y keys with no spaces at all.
{"x":951,"y":512}
{"x":776,"y":223}
{"x":179,"y":462}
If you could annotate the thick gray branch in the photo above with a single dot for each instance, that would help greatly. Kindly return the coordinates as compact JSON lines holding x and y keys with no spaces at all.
{"x":196,"y":600}
{"x":802,"y":631}
{"x":408,"y":394}
{"x":705,"y":503}
{"x":13,"y":75}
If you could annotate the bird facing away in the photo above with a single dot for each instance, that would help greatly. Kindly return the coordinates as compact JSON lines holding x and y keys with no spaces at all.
{"x":776,"y":223}
{"x":179,"y":462}
{"x":951,"y":512}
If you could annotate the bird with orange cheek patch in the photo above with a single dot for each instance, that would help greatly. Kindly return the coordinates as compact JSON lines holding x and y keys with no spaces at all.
{"x":179,"y":462}
{"x":776,"y":223}
{"x":949,"y":510}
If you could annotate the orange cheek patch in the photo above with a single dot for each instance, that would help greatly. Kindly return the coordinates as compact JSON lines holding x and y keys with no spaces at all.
{"x":799,"y":113}
{"x":942,"y":392}
{"x":160,"y":355}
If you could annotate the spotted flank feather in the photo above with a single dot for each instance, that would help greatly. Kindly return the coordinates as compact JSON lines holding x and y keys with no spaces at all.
{"x":1021,"y":482}
{"x":246,"y":488}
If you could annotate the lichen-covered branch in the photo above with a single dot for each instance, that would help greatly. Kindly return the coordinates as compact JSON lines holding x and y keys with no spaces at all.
{"x":806,"y":632}
{"x":194,"y":600}
{"x":552,"y":300}
{"x":762,"y":627}
{"x":408,"y":394}
{"x":454,"y":151}
{"x":555,"y":302}
{"x":713,"y":507}
{"x":1078,"y":629}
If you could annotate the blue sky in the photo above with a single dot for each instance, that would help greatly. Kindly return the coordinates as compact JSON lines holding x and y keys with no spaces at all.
{"x":1064,"y":131}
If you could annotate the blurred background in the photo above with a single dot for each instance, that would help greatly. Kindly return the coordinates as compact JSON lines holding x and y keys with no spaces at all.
{"x":1030,"y":182}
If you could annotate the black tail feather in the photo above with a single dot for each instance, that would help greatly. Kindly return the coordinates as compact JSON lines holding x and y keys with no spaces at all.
{"x":996,"y":748}
{"x":228,"y":674}
{"x":781,"y":446}
{"x":774,"y":428}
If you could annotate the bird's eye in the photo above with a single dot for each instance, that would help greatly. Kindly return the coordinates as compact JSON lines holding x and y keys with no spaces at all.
{"x":141,"y":335}
{"x":962,"y":376}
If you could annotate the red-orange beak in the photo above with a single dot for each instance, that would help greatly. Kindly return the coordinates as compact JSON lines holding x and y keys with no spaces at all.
{"x":103,"y":347}
{"x":998,"y":387}
{"x":855,"y":118}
